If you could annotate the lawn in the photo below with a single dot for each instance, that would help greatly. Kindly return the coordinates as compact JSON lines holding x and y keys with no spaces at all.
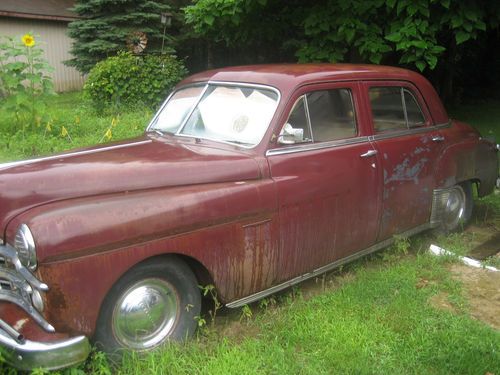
{"x":374,"y":316}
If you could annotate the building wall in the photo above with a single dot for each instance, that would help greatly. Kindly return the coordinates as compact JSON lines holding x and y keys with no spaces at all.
{"x":51,"y":36}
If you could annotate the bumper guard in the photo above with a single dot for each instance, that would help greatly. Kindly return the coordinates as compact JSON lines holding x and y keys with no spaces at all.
{"x":18,"y":286}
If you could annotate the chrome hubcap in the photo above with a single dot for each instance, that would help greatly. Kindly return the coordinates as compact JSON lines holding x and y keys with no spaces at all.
{"x":455,"y":207}
{"x":145,"y":314}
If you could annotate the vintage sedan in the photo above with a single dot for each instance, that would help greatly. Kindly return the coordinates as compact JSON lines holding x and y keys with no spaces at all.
{"x":250,"y":179}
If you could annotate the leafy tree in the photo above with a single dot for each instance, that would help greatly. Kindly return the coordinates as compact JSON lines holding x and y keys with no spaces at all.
{"x":414,"y":33}
{"x":105,"y":26}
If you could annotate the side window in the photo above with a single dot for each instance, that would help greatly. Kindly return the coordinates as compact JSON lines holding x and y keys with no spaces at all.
{"x":332,"y":114}
{"x":327,"y":114}
{"x":387,"y":109}
{"x":394,"y":108}
{"x":415,"y":116}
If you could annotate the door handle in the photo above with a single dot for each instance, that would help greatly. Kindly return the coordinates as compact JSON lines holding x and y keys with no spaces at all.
{"x":369,"y":153}
{"x":438,"y":138}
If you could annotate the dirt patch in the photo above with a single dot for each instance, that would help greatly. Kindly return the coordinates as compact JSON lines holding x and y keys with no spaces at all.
{"x":441,"y":301}
{"x":482,"y":289}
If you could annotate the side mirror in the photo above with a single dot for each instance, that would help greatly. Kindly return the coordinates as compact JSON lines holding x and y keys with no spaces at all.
{"x":290,"y":135}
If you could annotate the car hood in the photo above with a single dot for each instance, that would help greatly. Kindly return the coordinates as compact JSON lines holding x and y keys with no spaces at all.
{"x":138,"y":164}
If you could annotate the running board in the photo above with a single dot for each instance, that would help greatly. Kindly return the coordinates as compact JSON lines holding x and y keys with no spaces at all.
{"x":319,"y":271}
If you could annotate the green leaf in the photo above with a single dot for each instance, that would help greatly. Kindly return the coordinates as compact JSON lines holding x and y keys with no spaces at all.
{"x":420,"y":65}
{"x":209,"y":19}
{"x":456,"y":21}
{"x":394,"y":37}
{"x":462,"y":37}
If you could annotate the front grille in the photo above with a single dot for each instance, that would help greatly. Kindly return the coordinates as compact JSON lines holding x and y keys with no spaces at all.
{"x":17,"y":285}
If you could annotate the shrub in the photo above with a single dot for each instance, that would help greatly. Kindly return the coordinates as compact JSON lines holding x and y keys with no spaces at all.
{"x":126,"y":80}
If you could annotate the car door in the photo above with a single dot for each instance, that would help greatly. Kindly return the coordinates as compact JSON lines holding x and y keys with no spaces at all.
{"x":408,"y":146}
{"x":327,"y":181}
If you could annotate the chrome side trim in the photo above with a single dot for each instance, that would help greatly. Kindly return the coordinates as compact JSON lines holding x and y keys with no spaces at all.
{"x":412,"y":131}
{"x":63,"y":156}
{"x":316,"y":146}
{"x":53,"y":355}
{"x":264,"y":293}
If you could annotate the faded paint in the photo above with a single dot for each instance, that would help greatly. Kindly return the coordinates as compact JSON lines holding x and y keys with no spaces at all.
{"x":251,"y":221}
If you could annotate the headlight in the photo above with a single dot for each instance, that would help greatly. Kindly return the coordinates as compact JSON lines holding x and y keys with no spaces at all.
{"x":25,"y":246}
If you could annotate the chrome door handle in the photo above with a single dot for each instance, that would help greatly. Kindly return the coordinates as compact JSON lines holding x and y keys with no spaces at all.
{"x":369,"y":153}
{"x":438,"y":138}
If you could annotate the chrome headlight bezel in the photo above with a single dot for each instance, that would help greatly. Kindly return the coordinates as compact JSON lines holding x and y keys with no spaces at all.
{"x":24,"y":243}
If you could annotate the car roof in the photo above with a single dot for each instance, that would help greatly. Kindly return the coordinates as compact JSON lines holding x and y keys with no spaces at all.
{"x":287,"y":77}
{"x":280,"y":75}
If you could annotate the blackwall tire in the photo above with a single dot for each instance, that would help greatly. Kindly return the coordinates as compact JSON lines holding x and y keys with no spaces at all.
{"x":154,"y":302}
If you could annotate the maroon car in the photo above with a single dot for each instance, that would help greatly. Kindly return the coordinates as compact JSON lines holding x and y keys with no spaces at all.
{"x":250,"y":179}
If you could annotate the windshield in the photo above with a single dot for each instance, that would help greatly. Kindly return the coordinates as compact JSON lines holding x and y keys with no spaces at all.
{"x":233,"y":114}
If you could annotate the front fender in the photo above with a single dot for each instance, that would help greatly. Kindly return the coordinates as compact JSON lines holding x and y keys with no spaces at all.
{"x":85,"y":245}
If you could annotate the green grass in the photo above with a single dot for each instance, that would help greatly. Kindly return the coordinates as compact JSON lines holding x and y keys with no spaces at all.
{"x":379,"y":321}
{"x":85,"y":128}
{"x":372,"y":317}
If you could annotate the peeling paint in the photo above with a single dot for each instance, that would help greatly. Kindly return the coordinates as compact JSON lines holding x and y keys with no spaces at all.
{"x":405,"y":172}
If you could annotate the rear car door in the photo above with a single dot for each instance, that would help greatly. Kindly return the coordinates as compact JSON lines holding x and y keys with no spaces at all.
{"x":327,"y":181}
{"x":408,"y":146}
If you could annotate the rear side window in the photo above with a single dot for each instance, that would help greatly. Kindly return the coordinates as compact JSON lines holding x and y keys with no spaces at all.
{"x":394,"y":108}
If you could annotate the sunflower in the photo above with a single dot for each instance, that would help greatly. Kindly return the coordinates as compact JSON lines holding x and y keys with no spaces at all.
{"x":28,"y":40}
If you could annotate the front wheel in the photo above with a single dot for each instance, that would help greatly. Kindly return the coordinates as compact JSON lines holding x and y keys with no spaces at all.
{"x":458,"y":208}
{"x":154,"y":302}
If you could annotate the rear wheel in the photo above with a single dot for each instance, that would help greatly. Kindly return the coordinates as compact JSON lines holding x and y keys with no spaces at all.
{"x":458,"y":208}
{"x":154,"y":302}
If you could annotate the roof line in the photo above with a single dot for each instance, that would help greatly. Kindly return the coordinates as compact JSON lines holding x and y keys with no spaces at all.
{"x":37,"y":16}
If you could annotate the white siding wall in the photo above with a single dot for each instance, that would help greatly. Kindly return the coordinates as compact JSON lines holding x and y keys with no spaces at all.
{"x":51,"y":36}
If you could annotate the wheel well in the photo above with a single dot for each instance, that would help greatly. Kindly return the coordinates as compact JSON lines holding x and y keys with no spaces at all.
{"x":199,"y":270}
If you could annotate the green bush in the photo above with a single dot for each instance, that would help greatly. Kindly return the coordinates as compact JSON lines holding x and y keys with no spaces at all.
{"x":126,"y":80}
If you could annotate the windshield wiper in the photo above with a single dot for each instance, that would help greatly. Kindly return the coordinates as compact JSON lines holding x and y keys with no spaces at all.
{"x":236,"y":141}
{"x":160,"y":132}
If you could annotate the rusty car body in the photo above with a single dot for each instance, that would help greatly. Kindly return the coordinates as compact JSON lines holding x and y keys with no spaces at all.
{"x":250,"y":179}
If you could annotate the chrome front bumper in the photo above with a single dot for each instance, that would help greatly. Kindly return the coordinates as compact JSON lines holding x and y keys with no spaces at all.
{"x":20,"y":287}
{"x":27,"y":355}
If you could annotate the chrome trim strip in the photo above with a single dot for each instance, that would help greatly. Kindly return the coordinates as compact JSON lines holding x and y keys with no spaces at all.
{"x":316,"y":146}
{"x":256,"y":224}
{"x":53,"y":355}
{"x":401,"y":133}
{"x":63,"y":156}
{"x":264,"y":293}
{"x":308,"y":116}
{"x":186,"y":119}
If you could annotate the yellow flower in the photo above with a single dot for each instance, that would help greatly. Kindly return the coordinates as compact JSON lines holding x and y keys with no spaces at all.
{"x":28,"y":40}
{"x":64,"y":132}
{"x":108,"y":134}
